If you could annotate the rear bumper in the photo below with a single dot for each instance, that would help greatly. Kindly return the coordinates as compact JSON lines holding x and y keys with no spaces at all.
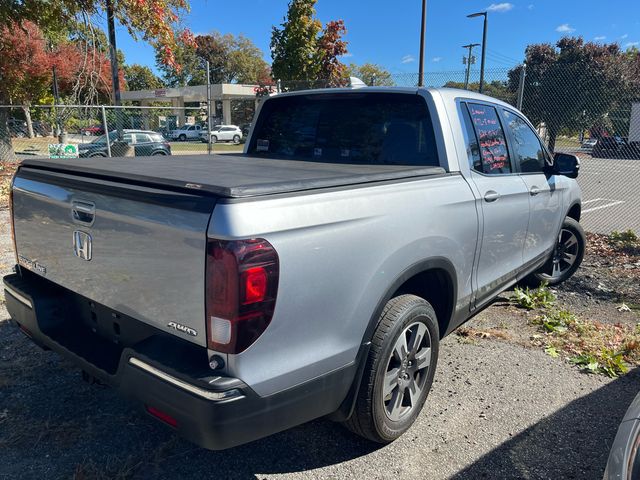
{"x":162,"y":373}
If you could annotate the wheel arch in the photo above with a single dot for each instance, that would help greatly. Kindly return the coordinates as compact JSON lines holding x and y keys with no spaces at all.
{"x":417,"y":279}
{"x":575,"y":211}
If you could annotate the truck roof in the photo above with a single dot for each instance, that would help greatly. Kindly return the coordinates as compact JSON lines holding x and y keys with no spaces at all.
{"x":445,"y":92}
{"x":233,"y":176}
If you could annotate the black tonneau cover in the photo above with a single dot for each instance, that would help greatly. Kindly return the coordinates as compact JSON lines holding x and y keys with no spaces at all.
{"x":234,"y":176}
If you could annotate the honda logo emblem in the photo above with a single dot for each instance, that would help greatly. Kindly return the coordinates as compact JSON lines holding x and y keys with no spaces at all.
{"x":82,"y":245}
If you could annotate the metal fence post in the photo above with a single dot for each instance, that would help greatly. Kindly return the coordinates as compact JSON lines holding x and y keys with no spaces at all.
{"x":278,"y":86}
{"x":105,"y":127}
{"x":523,"y":75}
{"x":208,"y":110}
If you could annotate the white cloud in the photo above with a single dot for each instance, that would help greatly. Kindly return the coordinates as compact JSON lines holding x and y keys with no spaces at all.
{"x":407,"y":59}
{"x":565,"y":28}
{"x":500,"y":7}
{"x":626,"y":35}
{"x":631,"y":44}
{"x":531,"y":6}
{"x":436,"y":59}
{"x":599,"y":38}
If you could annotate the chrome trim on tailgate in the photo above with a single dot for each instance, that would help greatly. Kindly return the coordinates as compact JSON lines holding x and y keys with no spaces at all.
{"x":201,"y":392}
{"x":21,"y":298}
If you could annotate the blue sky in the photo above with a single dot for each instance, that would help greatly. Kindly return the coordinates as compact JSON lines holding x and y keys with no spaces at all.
{"x":387,"y":32}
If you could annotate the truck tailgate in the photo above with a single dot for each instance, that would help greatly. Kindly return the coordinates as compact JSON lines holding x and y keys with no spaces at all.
{"x":146,"y":257}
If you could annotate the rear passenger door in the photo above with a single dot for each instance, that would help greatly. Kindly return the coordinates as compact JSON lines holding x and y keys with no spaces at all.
{"x":501,"y":196}
{"x":143,"y":144}
{"x":544,"y":191}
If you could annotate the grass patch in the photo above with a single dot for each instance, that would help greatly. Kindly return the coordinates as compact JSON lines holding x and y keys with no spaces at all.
{"x":626,"y":242}
{"x":532,"y":298}
{"x":595,"y":347}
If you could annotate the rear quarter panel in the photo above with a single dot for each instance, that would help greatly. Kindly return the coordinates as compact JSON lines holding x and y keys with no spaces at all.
{"x":340,"y":251}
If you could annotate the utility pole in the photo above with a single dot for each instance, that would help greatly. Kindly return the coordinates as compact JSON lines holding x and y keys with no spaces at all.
{"x":523,"y":76}
{"x":113,"y":56}
{"x":468,"y":61}
{"x":484,"y":46}
{"x":423,"y":28}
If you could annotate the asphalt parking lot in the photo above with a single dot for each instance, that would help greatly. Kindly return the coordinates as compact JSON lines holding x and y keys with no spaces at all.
{"x":610,"y":194}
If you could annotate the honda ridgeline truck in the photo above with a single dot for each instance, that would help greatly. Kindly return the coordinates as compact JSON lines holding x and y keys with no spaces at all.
{"x":314,"y":275}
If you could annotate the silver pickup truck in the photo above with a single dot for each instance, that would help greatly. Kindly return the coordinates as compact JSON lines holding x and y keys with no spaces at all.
{"x":235,"y":296}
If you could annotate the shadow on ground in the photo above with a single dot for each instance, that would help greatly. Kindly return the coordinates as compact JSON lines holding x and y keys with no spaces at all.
{"x":572,"y":443}
{"x":52,"y":425}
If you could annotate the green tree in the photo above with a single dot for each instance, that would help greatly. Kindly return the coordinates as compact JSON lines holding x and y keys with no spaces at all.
{"x":572,"y":85}
{"x":371,"y":74}
{"x":294,"y":46}
{"x":302,"y":51}
{"x":140,"y":77}
{"x":190,"y":72}
{"x":231,"y":60}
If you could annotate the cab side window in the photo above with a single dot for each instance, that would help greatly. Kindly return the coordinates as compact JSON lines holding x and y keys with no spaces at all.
{"x":528,"y":152}
{"x":492,"y":143}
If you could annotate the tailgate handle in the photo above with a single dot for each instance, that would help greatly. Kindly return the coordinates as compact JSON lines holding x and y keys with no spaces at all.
{"x":83,"y":212}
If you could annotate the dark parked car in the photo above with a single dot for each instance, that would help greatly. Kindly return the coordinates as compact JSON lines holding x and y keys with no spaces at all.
{"x":144,"y":142}
{"x":609,"y":147}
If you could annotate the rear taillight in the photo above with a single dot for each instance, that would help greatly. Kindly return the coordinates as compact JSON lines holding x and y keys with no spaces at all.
{"x":11,"y":219}
{"x":241,"y":289}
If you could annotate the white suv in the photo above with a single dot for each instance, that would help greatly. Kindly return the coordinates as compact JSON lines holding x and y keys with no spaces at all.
{"x":223,"y":133}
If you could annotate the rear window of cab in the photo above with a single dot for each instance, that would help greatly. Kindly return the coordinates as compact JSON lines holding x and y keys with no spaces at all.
{"x":347,"y":128}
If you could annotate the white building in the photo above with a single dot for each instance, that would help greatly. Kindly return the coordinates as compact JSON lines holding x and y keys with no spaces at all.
{"x":224,"y":92}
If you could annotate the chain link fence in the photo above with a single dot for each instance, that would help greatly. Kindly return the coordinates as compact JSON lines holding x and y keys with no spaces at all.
{"x":596,"y":118}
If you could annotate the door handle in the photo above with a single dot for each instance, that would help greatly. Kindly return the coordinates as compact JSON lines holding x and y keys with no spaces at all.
{"x":491,"y":196}
{"x":83,"y":212}
{"x":534,"y":191}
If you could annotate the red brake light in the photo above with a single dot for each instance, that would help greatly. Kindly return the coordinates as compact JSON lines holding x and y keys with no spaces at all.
{"x":254,"y":284}
{"x":241,"y":288}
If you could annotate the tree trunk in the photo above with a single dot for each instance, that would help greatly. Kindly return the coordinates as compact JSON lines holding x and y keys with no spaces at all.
{"x":6,"y":147}
{"x":27,"y":117}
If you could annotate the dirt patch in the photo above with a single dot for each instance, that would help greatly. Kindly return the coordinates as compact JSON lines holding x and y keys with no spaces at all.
{"x":596,"y":312}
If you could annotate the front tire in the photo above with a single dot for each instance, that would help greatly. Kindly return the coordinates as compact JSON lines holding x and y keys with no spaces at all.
{"x":236,"y":139}
{"x":182,"y":137}
{"x":566,"y":257}
{"x":399,"y":370}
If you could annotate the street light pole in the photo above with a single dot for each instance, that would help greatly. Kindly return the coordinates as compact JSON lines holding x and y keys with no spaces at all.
{"x":484,"y":46}
{"x":422,"y":32}
{"x":470,"y":60}
{"x":208,"y":109}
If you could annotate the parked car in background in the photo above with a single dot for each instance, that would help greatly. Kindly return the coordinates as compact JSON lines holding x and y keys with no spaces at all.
{"x":144,"y":142}
{"x":223,"y":133}
{"x":589,"y":143}
{"x":92,"y":130}
{"x":624,"y":457}
{"x":187,"y":132}
{"x":313,"y":275}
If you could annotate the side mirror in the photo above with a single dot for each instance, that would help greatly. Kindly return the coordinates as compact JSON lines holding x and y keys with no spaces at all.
{"x":565,"y":164}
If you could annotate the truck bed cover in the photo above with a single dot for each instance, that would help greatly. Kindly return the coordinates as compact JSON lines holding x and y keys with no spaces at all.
{"x":233,"y":176}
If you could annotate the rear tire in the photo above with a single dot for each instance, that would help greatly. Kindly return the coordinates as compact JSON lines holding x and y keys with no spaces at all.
{"x":236,"y":139}
{"x":214,"y":139}
{"x":566,"y":257}
{"x":182,"y":137}
{"x":399,"y":370}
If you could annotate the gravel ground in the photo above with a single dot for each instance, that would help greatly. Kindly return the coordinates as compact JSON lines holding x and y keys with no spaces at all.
{"x":497,"y":410}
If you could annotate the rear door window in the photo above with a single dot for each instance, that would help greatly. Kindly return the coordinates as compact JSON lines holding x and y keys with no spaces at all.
{"x":492,"y":143}
{"x":349,"y":128}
